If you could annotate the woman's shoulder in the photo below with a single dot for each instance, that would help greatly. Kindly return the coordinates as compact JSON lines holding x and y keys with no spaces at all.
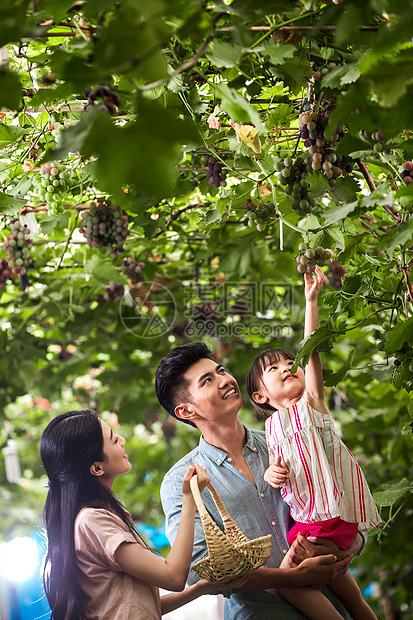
{"x":91,"y":516}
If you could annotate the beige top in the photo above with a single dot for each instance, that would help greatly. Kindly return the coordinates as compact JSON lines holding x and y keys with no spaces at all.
{"x":111,"y":593}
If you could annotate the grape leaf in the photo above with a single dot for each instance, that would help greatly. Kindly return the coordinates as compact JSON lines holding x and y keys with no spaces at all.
{"x":278,"y":52}
{"x":397,"y":235}
{"x":392,"y":492}
{"x":238,"y":107}
{"x":335,"y":214}
{"x":10,"y":134}
{"x":225,"y":54}
{"x":401,"y":333}
{"x":9,"y":205}
{"x":104,"y":270}
{"x":351,"y":143}
{"x":322,"y":336}
{"x":333,"y":378}
{"x":318,"y":184}
{"x":344,"y":190}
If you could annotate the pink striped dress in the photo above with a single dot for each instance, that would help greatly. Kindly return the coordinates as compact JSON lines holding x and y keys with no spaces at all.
{"x":325,"y":480}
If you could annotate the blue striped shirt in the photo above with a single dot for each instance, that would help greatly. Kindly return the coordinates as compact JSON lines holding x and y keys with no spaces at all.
{"x":257,"y":510}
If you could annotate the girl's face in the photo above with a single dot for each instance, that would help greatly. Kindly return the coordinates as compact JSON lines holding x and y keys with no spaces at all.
{"x":278,"y":385}
{"x":116,"y":461}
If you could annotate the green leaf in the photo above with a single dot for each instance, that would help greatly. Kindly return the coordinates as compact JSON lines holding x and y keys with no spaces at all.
{"x":318,"y":184}
{"x":321,"y":336}
{"x":332,"y":379}
{"x":103,"y":270}
{"x":225,"y":54}
{"x":9,"y":205}
{"x":335,"y":214}
{"x":10,"y":134}
{"x":10,"y":90}
{"x":345,"y":189}
{"x":238,"y":107}
{"x":397,"y":235}
{"x":346,"y":74}
{"x":49,"y":223}
{"x":392,"y":492}
{"x":400,"y":334}
{"x":73,"y":137}
{"x":278,"y":52}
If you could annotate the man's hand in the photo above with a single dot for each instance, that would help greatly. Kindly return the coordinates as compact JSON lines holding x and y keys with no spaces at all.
{"x":322,"y":570}
{"x":275,"y":475}
{"x":311,"y":547}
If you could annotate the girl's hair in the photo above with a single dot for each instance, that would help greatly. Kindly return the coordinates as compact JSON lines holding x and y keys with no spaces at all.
{"x":70,"y":444}
{"x":254,"y":376}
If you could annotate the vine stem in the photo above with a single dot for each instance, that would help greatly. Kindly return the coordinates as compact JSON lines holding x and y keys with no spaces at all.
{"x":371,"y":185}
{"x":268,"y":176}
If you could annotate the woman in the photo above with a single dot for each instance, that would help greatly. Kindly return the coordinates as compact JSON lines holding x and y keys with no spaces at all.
{"x":97,"y":567}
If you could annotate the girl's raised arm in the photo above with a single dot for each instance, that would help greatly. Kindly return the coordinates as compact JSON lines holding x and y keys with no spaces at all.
{"x":314,"y":384}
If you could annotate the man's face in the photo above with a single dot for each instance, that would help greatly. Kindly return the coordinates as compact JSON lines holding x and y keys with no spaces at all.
{"x":213,"y":393}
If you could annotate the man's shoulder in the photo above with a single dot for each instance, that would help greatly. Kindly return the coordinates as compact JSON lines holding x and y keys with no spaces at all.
{"x":258,"y":436}
{"x":178,"y":470}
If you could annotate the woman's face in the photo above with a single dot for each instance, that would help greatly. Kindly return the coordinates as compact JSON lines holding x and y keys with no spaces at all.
{"x":116,"y":461}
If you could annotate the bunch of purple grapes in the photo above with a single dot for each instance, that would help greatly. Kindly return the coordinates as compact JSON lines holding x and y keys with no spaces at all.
{"x":379,"y":144}
{"x":308,"y":258}
{"x":313,"y":125}
{"x":114,"y":292}
{"x":293,"y":176}
{"x":104,"y":96}
{"x":215,"y":173}
{"x":105,"y":225}
{"x":5,"y":272}
{"x":407,"y":174}
{"x":260,"y":214}
{"x":17,"y":246}
{"x":132,"y":269}
{"x":335,"y":274}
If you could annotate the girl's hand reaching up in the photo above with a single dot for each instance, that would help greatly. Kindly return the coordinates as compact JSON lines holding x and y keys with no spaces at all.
{"x":313,"y":288}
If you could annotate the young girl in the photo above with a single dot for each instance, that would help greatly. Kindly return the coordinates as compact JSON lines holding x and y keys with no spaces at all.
{"x":97,"y":567}
{"x":324,"y":485}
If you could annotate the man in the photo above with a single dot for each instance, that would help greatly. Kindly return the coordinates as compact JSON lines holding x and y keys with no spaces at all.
{"x":193,"y":388}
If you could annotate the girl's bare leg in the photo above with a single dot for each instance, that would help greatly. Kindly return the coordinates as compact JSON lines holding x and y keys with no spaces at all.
{"x":309,"y":601}
{"x":347,"y":590}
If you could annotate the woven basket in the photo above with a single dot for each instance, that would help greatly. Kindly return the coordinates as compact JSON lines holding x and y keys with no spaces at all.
{"x":230,"y":554}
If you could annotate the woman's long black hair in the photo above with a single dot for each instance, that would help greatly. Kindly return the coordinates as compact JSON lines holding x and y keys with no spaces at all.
{"x":70,"y":444}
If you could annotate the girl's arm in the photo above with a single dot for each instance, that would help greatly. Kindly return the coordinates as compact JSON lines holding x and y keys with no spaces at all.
{"x":314,"y":385}
{"x":171,"y":573}
{"x":274,"y":475}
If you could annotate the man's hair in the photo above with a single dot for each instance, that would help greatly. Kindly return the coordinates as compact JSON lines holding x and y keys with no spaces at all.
{"x":254,"y":377}
{"x":170,"y":382}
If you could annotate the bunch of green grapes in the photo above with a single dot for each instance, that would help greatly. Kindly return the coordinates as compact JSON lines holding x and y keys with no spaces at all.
{"x":51,"y":185}
{"x":105,"y":225}
{"x":260,"y":214}
{"x":292,"y":174}
{"x":308,"y":258}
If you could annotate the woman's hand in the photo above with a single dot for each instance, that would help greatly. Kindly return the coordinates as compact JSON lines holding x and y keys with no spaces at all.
{"x":275,"y":475}
{"x":207,"y":586}
{"x":203,"y":479}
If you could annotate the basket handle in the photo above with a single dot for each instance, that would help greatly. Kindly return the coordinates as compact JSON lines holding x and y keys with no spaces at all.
{"x":200,"y":504}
